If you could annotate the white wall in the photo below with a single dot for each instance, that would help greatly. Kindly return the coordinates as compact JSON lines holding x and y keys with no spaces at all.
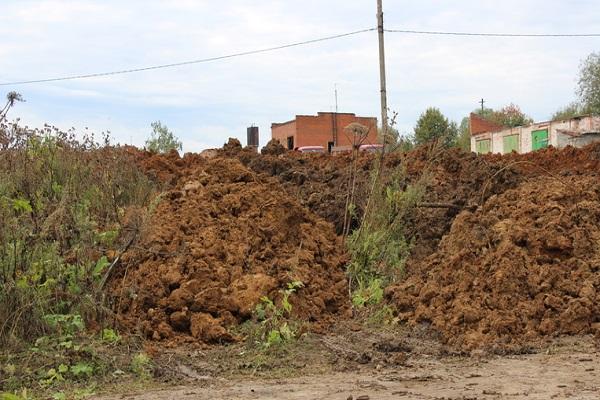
{"x":556,"y":136}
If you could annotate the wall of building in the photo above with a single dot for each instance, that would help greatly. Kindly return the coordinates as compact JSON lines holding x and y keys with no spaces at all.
{"x":560,"y":134}
{"x":281,"y":132}
{"x":318,"y":130}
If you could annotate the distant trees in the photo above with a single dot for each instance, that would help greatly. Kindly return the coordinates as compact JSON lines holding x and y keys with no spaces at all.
{"x":162,"y":140}
{"x":433,"y":125}
{"x":569,"y":111}
{"x":588,"y":88}
{"x":588,"y":91}
{"x":509,"y":116}
{"x":463,"y":140}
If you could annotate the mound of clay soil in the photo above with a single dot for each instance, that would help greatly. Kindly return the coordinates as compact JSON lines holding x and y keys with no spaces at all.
{"x":273,"y":148}
{"x":524,"y":266}
{"x":216,"y":244}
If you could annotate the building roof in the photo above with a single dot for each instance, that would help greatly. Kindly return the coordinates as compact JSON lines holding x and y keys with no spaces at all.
{"x":319,"y":114}
{"x":479,"y":125}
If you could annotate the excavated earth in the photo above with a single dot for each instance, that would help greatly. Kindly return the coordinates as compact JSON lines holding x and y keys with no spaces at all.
{"x":215,"y":244}
{"x":505,"y":248}
{"x":524,"y":266}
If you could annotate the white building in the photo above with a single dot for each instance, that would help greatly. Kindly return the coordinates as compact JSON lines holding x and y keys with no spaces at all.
{"x":489,"y":138}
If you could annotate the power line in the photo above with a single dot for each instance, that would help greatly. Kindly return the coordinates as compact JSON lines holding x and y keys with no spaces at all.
{"x":200,"y":61}
{"x":442,"y":33}
{"x":296,"y":44}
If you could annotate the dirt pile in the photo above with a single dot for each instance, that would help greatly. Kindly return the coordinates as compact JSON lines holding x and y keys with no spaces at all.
{"x":456,"y":178}
{"x":524,"y":266}
{"x":218,"y":242}
{"x":273,"y":148}
{"x":563,"y":162}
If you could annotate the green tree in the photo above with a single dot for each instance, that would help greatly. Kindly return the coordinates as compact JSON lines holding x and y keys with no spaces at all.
{"x":162,"y":139}
{"x":510,"y":116}
{"x":463,"y":139}
{"x":569,"y":111}
{"x":433,"y":125}
{"x":589,"y":84}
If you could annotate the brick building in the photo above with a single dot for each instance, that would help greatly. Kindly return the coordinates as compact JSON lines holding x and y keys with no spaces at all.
{"x":325,"y":129}
{"x":487,"y":137}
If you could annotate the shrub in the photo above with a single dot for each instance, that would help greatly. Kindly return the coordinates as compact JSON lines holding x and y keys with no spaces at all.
{"x":62,"y":206}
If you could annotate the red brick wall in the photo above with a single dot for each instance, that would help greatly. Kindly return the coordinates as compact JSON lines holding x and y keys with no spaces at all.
{"x":281,"y":132}
{"x":481,"y":125}
{"x":318,"y":130}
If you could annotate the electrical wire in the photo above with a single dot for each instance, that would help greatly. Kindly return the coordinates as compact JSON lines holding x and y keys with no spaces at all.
{"x":178,"y":64}
{"x":296,"y":44}
{"x":442,"y":33}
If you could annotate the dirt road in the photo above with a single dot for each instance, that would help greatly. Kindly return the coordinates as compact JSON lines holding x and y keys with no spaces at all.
{"x":564,"y":372}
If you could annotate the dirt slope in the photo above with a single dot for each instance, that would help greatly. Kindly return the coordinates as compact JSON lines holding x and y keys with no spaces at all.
{"x":218,"y":242}
{"x":525,"y":265}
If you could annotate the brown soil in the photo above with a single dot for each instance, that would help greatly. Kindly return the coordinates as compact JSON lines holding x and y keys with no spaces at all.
{"x":511,"y":258}
{"x":525,"y":265}
{"x":321,"y":182}
{"x":397,"y":370}
{"x":273,"y":148}
{"x":218,"y":242}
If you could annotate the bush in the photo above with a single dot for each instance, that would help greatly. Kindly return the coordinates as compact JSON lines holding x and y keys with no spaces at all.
{"x":162,"y":140}
{"x":379,"y":247}
{"x":62,"y":205}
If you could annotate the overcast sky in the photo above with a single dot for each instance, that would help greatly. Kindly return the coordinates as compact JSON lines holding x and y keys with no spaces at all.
{"x":204,"y":104}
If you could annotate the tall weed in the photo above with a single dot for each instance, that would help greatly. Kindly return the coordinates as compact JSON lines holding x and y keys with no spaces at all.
{"x":63,"y":203}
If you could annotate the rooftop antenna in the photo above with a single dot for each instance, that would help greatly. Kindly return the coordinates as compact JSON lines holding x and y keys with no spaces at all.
{"x":336,"y":97}
{"x":334,"y":119}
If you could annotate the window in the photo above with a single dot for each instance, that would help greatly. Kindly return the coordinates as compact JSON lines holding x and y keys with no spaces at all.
{"x":329,"y":146}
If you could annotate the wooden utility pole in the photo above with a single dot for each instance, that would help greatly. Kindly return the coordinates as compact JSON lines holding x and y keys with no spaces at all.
{"x":384,"y":117}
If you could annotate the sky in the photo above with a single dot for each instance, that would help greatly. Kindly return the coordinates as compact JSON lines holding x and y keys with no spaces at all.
{"x":205,"y":104}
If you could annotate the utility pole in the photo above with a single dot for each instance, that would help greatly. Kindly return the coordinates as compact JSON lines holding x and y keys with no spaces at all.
{"x":482,"y":108}
{"x":384,"y":117}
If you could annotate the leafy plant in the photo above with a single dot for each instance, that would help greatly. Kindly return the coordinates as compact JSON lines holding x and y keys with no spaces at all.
{"x":274,"y":326}
{"x":162,"y":140}
{"x":62,"y":204}
{"x":110,"y":336}
{"x":379,"y":247}
{"x":433,"y":125}
{"x":371,"y":294}
{"x":141,"y":365}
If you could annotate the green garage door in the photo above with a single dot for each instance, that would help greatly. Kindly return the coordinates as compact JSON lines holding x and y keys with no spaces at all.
{"x":511,"y":143}
{"x":539,"y":139}
{"x":483,"y":146}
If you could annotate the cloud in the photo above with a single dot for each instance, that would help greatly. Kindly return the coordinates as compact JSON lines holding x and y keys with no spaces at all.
{"x":206,"y":103}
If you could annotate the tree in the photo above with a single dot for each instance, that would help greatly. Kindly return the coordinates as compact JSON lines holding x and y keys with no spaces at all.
{"x":589,"y":84}
{"x":162,"y":139}
{"x":510,"y":116}
{"x":433,"y":125}
{"x":569,"y":111}
{"x":463,"y":139}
